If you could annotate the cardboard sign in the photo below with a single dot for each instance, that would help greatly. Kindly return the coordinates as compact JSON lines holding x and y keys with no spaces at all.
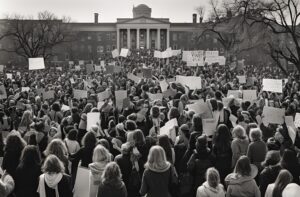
{"x":93,"y":118}
{"x":297,"y":120}
{"x":81,"y":62}
{"x":163,"y":85}
{"x":154,"y":97}
{"x":103,"y":95}
{"x":195,"y":58}
{"x":157,"y":54}
{"x":120,"y":95}
{"x":191,"y":81}
{"x":147,"y":73}
{"x":36,"y":63}
{"x":48,"y":95}
{"x":78,"y":94}
{"x":134,"y":78}
{"x":176,"y":52}
{"x":82,"y":182}
{"x":249,"y":95}
{"x":115,"y":53}
{"x":25,"y":89}
{"x":3,"y":94}
{"x":209,"y":126}
{"x":124,"y":52}
{"x":89,"y":68}
{"x":274,"y":115}
{"x":169,"y":129}
{"x":272,"y":85}
{"x":242,"y":79}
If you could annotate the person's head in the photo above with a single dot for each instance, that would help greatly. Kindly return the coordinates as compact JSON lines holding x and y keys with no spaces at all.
{"x":55,"y":107}
{"x":52,"y":165}
{"x":105,"y":143}
{"x":89,"y":140}
{"x":58,"y":148}
{"x":126,"y":148}
{"x":197,"y":122}
{"x":212,"y":177}
{"x":30,"y":156}
{"x":283,"y":179}
{"x":26,"y":118}
{"x":289,"y":159}
{"x":222,"y":135}
{"x":138,"y":137}
{"x":201,"y":144}
{"x":272,"y":158}
{"x":157,"y":159}
{"x":101,"y":154}
{"x":239,"y":132}
{"x":243,"y":166}
{"x":255,"y":135}
{"x":130,"y":125}
{"x":184,"y":131}
{"x":250,"y":126}
{"x":14,"y":143}
{"x":72,"y":135}
{"x":88,"y":108}
{"x":112,"y":174}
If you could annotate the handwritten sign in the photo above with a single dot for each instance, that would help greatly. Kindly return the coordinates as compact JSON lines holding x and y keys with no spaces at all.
{"x":169,"y":129}
{"x":191,"y":81}
{"x":195,"y":58}
{"x":36,"y":63}
{"x":209,"y":126}
{"x":78,"y":94}
{"x":272,"y":85}
{"x":211,"y":53}
{"x":273,"y":115}
{"x":176,"y":52}
{"x":93,"y":119}
{"x":124,"y":52}
{"x":115,"y":53}
{"x":249,"y":95}
{"x":242,"y":79}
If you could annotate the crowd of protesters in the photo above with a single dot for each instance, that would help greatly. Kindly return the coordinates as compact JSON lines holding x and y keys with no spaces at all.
{"x":42,"y":143}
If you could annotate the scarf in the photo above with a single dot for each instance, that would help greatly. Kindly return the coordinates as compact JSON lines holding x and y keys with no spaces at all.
{"x":51,"y":180}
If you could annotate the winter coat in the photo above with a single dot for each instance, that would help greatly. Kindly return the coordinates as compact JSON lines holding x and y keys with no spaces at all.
{"x":206,"y":191}
{"x":257,"y":152}
{"x":241,"y":186}
{"x":267,"y":176}
{"x":112,"y":190}
{"x":125,"y":166}
{"x":96,"y":170}
{"x":269,"y":191}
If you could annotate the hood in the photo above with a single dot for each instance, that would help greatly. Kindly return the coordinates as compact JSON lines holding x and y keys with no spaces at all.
{"x":53,"y":179}
{"x":235,"y":179}
{"x":211,"y":189}
{"x":97,"y":168}
{"x":160,"y":168}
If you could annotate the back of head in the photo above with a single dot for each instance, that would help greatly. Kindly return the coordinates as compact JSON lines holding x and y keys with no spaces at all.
{"x":101,"y":154}
{"x":112,"y":174}
{"x":283,"y":179}
{"x":212,"y":177}
{"x":243,"y":167}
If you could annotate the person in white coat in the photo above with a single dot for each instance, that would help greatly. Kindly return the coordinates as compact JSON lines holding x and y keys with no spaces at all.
{"x":212,"y":187}
{"x":283,"y":179}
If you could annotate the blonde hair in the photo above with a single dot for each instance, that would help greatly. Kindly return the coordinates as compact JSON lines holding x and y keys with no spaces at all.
{"x":57,"y":148}
{"x":156,"y":158}
{"x":26,"y":118}
{"x":255,"y":134}
{"x":213,"y":177}
{"x":112,"y":174}
{"x":239,"y":132}
{"x":101,"y":154}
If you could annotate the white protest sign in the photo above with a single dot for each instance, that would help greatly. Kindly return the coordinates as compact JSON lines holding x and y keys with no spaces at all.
{"x":249,"y":95}
{"x":154,"y":97}
{"x":176,"y":52}
{"x":65,"y":108}
{"x":72,"y":81}
{"x":157,"y":54}
{"x":163,"y":85}
{"x":82,"y":182}
{"x":1,"y":68}
{"x":71,"y":62}
{"x":93,"y":119}
{"x":115,"y":53}
{"x":77,"y":68}
{"x":3,"y":94}
{"x":25,"y":89}
{"x":9,"y":76}
{"x":102,"y":63}
{"x":184,"y":55}
{"x":273,"y":115}
{"x":242,"y":79}
{"x":211,"y":53}
{"x":272,"y":85}
{"x":234,"y":93}
{"x":289,"y":121}
{"x":133,"y":77}
{"x":209,"y":126}
{"x":103,"y":95}
{"x":36,"y":63}
{"x":120,"y":95}
{"x":191,"y":81}
{"x":297,"y":120}
{"x":221,"y":60}
{"x":233,"y":119}
{"x":169,"y":129}
{"x":124,"y":52}
{"x":97,"y":68}
{"x":81,"y":62}
{"x":78,"y":94}
{"x":196,"y":107}
{"x":195,"y":58}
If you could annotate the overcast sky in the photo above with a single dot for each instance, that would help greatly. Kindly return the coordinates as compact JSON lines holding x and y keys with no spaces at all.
{"x":109,"y":10}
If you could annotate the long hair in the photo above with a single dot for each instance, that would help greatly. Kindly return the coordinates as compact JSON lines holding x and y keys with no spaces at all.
{"x":156,"y":158}
{"x":289,"y":159}
{"x":242,"y":166}
{"x":30,"y":156}
{"x":222,"y":138}
{"x":52,"y":164}
{"x":57,"y":148}
{"x":283,"y":179}
{"x":164,"y":142}
{"x":89,"y":140}
{"x":101,"y":154}
{"x":138,"y":137}
{"x":197,"y":123}
{"x":26,"y":119}
{"x":112,"y":174}
{"x":212,"y":177}
{"x":14,"y":143}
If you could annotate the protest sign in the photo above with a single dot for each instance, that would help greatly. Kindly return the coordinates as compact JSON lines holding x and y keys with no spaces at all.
{"x":147,"y":73}
{"x":234,"y":93}
{"x":102,"y":63}
{"x":93,"y":118}
{"x":184,"y":55}
{"x":48,"y":95}
{"x":81,"y":62}
{"x":124,"y":52}
{"x":134,"y":78}
{"x":154,"y":97}
{"x":77,"y":68}
{"x":115,"y":53}
{"x":25,"y":89}
{"x":169,"y":129}
{"x":195,"y":58}
{"x":289,"y":121}
{"x":71,"y":62}
{"x":157,"y":54}
{"x":89,"y":68}
{"x":82,"y":182}
{"x":233,"y":120}
{"x":176,"y":52}
{"x":209,"y":126}
{"x":100,"y":104}
{"x":65,"y":108}
{"x":59,"y":68}
{"x":211,"y":53}
{"x":272,"y":85}
{"x":9,"y":76}
{"x":163,"y":85}
{"x":78,"y":94}
{"x":36,"y":63}
{"x":120,"y":95}
{"x":97,"y":68}
{"x":242,"y":79}
{"x":227,"y":100}
{"x":196,"y":106}
{"x":273,"y":115}
{"x":103,"y":95}
{"x":3,"y":94}
{"x":191,"y":81}
{"x":72,"y":81}
{"x":297,"y":120}
{"x":249,"y":95}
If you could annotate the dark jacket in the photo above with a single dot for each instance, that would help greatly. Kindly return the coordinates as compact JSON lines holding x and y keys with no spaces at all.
{"x":112,"y":190}
{"x":125,"y":165}
{"x":267,"y":176}
{"x":64,"y":188}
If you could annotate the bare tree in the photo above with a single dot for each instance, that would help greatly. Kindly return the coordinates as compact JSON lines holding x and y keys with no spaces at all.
{"x":201,"y":11}
{"x":36,"y":38}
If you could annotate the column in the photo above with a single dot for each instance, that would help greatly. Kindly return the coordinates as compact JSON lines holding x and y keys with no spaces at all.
{"x":158,"y":39}
{"x":118,"y":39}
{"x":128,"y":38}
{"x":137,"y":38}
{"x":168,"y":38}
{"x":148,"y":38}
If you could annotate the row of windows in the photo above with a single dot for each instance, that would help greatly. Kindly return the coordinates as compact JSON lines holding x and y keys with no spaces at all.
{"x":100,"y":37}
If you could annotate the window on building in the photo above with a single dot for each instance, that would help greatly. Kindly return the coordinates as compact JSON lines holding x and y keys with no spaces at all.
{"x":108,"y":36}
{"x":108,"y":48}
{"x":113,"y":36}
{"x":89,"y":37}
{"x":99,"y":38}
{"x":67,"y":57}
{"x":174,"y":37}
{"x":89,"y":48}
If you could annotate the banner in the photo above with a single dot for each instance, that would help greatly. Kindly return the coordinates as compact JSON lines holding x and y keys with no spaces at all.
{"x":176,"y":52}
{"x":274,"y":115}
{"x":211,"y":53}
{"x":115,"y":53}
{"x":157,"y":54}
{"x":36,"y":63}
{"x":184,"y":55}
{"x":78,"y":94}
{"x":191,"y":81}
{"x":195,"y":58}
{"x":124,"y":52}
{"x":272,"y":85}
{"x":93,"y":118}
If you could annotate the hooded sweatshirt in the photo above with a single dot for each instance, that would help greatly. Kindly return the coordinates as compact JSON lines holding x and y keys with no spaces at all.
{"x":97,"y":169}
{"x":241,"y":186}
{"x":206,"y":191}
{"x":51,"y":180}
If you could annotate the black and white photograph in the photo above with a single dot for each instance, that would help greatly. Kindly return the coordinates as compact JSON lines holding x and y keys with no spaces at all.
{"x":150,"y":98}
